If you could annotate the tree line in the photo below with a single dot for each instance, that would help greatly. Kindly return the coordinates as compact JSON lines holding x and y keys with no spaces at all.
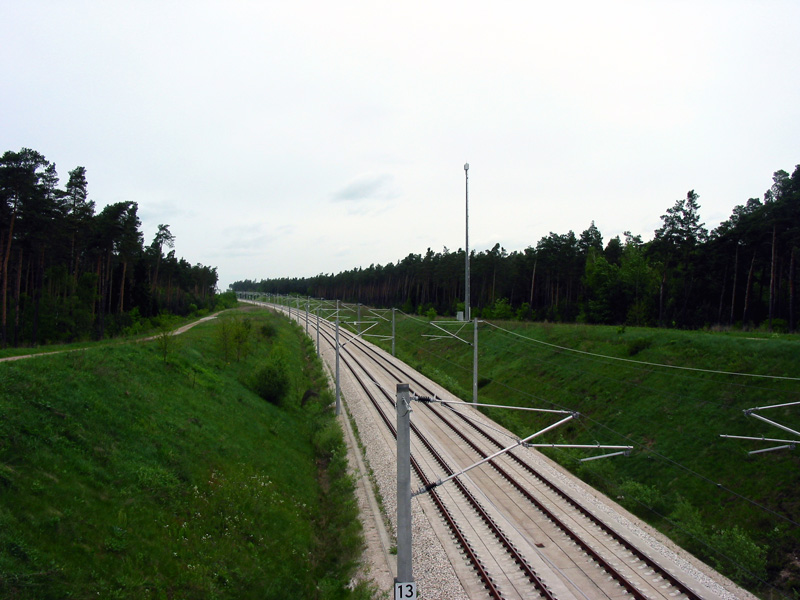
{"x":741,"y":274}
{"x":68,"y":272}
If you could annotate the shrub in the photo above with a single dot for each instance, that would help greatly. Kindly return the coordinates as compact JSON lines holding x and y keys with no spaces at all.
{"x":271,"y":381}
{"x":328,"y":440}
{"x":780,"y":326}
{"x":688,"y":519}
{"x":636,"y":496}
{"x":748,"y":560}
{"x":240,"y":336}
{"x":501,"y":310}
{"x":224,"y":334}
{"x":166,"y":341}
{"x":523,"y":312}
{"x":268,"y":330}
{"x":225,"y":300}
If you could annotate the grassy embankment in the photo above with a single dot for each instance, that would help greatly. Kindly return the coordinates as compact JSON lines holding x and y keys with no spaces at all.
{"x":125,"y":475}
{"x":737,"y":512}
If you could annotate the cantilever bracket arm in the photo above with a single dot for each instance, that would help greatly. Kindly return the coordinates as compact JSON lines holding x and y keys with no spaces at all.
{"x":358,"y":335}
{"x":774,"y":424}
{"x":447,"y":403}
{"x":450,"y":333}
{"x":784,"y":447}
{"x":521,"y":442}
{"x":785,"y":444}
{"x":377,"y":313}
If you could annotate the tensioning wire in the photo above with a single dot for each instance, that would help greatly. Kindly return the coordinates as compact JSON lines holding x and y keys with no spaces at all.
{"x":641,"y":362}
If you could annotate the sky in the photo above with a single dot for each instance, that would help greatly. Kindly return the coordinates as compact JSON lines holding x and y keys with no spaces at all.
{"x":292,"y":138}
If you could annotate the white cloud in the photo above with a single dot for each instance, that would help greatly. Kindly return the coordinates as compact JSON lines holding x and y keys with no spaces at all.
{"x":368,"y":189}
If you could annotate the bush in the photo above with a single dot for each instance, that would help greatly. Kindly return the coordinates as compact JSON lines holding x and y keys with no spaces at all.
{"x":501,"y":310}
{"x":780,"y":325}
{"x":240,"y":336}
{"x":225,"y":300}
{"x":328,"y":440}
{"x":271,"y":381}
{"x":690,"y":524}
{"x":224,"y":334}
{"x":747,"y":562}
{"x":166,"y":341}
{"x":523,"y":312}
{"x":638,"y":496}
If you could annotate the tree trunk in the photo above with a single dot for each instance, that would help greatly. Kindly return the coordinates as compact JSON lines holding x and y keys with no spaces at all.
{"x":735,"y":276}
{"x":533,"y":280}
{"x":16,"y":300}
{"x":772,"y":275}
{"x":100,"y":297}
{"x":6,"y":255}
{"x":747,"y":290}
{"x":38,"y":282}
{"x":661,"y":298}
{"x":791,"y":290}
{"x":122,"y":287}
{"x":109,"y":286}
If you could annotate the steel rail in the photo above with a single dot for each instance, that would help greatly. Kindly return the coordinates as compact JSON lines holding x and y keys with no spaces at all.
{"x":510,"y":549}
{"x":676,"y":583}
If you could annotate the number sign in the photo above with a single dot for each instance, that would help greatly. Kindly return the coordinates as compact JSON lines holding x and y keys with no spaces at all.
{"x":405,"y":591}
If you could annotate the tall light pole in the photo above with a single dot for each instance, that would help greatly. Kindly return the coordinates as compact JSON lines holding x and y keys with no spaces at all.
{"x":466,"y":251}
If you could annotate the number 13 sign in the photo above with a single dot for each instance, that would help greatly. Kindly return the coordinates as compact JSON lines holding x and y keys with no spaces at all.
{"x":405,"y":591}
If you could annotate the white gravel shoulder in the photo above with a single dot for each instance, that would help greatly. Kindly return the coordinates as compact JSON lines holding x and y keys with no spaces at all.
{"x":433,"y":571}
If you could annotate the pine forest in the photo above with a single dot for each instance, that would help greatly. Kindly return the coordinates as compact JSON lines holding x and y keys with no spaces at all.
{"x":742,"y":274}
{"x":70,"y":273}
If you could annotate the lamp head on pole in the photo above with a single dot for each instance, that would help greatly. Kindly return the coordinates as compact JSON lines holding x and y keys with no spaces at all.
{"x":466,"y":166}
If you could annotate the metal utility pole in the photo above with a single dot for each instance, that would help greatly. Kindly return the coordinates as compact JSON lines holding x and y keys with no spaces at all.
{"x":475,"y":365}
{"x":466,"y":246}
{"x":338,"y":393}
{"x":318,"y":331}
{"x":404,"y":586}
{"x":394,"y":310}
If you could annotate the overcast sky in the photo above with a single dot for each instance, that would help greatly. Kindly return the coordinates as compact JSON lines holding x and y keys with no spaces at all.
{"x":291,"y":138}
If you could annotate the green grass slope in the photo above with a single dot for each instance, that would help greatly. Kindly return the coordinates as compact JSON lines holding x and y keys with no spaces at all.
{"x":125,"y":475}
{"x":737,"y":512}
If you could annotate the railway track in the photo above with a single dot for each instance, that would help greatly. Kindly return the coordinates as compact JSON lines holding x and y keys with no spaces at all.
{"x":502,"y":552}
{"x":522,"y":532}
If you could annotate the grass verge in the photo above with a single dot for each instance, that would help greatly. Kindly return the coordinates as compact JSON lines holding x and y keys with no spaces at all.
{"x":127,"y":472}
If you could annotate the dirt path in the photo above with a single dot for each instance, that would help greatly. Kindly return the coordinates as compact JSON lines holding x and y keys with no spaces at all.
{"x":178,"y":331}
